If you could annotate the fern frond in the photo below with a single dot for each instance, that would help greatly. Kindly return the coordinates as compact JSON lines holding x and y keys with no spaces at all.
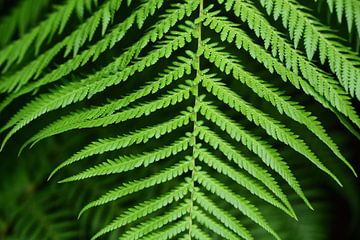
{"x":163,"y":50}
{"x":264,"y":90}
{"x":175,"y":129}
{"x":228,"y":220}
{"x":92,"y":53}
{"x":198,"y":234}
{"x":302,"y":25}
{"x":74,"y":120}
{"x":141,"y":136}
{"x":146,"y":208}
{"x":53,"y":24}
{"x":348,"y":8}
{"x":77,"y":91}
{"x":128,"y":163}
{"x":271,"y":126}
{"x":170,"y":232}
{"x":263,"y":150}
{"x":72,"y":42}
{"x":257,"y":172}
{"x":322,"y":84}
{"x":243,"y":205}
{"x":155,"y":223}
{"x":210,"y":224}
{"x":20,"y":19}
{"x":240,"y":179}
{"x":138,"y":185}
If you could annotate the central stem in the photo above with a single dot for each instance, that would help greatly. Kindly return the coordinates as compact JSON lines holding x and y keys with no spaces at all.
{"x":195,"y":91}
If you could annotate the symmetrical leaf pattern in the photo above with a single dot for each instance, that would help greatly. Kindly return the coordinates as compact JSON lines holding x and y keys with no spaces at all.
{"x":188,"y":116}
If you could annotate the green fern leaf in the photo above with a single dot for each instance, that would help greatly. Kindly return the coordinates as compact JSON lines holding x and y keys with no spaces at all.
{"x":196,"y":99}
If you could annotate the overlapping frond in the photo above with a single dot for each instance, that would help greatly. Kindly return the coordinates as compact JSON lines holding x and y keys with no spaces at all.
{"x":322,"y":83}
{"x":175,"y":72}
{"x":20,"y":19}
{"x":53,"y":24}
{"x":79,"y":90}
{"x":32,"y":208}
{"x":180,"y":117}
{"x":348,"y":10}
{"x":72,"y":42}
{"x":316,"y":37}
